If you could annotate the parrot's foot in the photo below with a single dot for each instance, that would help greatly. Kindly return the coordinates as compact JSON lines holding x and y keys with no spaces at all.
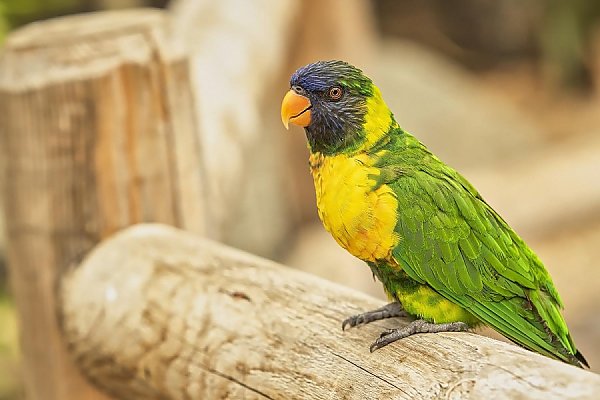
{"x":418,"y":326}
{"x":388,"y":311}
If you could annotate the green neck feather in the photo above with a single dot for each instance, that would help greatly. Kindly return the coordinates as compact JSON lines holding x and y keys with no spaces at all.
{"x":364,"y":126}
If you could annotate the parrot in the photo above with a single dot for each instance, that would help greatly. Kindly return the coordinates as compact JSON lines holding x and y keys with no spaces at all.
{"x":445,"y":257}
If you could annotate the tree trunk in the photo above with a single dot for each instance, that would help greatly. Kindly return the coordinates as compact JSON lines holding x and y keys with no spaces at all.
{"x":156,"y":313}
{"x":98,"y":133}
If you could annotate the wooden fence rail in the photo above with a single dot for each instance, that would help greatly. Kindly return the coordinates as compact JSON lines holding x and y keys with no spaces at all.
{"x":97,"y":132}
{"x":157,"y":313}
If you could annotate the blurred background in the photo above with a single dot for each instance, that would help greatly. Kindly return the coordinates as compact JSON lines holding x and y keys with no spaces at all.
{"x":507,"y":92}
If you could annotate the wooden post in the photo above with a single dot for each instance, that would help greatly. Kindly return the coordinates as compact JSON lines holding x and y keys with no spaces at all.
{"x":243,"y":54}
{"x":157,"y":313}
{"x":98,"y":132}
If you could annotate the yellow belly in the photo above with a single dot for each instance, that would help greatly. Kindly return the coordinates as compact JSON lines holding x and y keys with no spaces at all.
{"x":360,"y":218}
{"x":426,"y":303}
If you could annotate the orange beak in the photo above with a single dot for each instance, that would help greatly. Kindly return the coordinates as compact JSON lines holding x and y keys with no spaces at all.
{"x":295,"y":109}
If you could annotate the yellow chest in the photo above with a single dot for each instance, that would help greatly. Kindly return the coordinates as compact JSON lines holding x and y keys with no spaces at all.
{"x":361,"y":218}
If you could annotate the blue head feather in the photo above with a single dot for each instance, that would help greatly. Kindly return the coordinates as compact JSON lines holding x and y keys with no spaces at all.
{"x":335,"y":124}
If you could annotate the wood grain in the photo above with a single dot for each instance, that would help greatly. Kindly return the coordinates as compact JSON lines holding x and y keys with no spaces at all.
{"x":98,"y":133}
{"x":156,"y":313}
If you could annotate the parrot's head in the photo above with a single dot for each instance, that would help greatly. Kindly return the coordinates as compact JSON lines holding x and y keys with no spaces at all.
{"x":331,"y":100}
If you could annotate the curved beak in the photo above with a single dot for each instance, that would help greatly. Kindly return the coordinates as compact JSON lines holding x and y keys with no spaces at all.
{"x":295,"y":109}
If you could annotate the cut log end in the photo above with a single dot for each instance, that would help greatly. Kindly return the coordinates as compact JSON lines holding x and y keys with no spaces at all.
{"x":83,"y":46}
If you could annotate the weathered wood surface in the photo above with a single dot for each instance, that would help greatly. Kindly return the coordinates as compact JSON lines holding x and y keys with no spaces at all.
{"x":98,"y":133}
{"x":156,"y":313}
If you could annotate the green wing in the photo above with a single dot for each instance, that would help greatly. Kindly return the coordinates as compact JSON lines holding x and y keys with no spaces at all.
{"x":452,"y":240}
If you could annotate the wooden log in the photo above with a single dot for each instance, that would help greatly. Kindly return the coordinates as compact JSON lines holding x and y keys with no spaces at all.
{"x":98,"y":133}
{"x":156,"y":313}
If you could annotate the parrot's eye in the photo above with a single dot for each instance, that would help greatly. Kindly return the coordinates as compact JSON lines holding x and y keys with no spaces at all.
{"x":335,"y":93}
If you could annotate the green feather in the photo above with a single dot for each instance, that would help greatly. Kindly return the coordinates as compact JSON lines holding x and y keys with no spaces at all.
{"x":453,"y":241}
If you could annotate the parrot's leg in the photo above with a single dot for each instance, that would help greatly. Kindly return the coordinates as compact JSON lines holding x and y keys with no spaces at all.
{"x":418,"y":326}
{"x":388,"y":311}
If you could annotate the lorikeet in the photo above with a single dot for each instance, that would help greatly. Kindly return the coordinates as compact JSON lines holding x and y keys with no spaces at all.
{"x":443,"y":255}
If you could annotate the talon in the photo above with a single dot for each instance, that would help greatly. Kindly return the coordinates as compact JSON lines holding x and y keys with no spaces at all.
{"x":386,"y":333}
{"x":351,"y":322}
{"x":419,"y":326}
{"x":345,"y":322}
{"x":379,"y":343}
{"x":388,"y":311}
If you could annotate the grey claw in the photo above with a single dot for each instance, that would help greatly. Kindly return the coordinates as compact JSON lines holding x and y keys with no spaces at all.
{"x":419,"y":326}
{"x":388,"y":311}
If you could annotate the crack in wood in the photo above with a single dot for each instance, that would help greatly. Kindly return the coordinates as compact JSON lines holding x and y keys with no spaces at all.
{"x":519,"y":377}
{"x":232,"y":379}
{"x":369,"y":372}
